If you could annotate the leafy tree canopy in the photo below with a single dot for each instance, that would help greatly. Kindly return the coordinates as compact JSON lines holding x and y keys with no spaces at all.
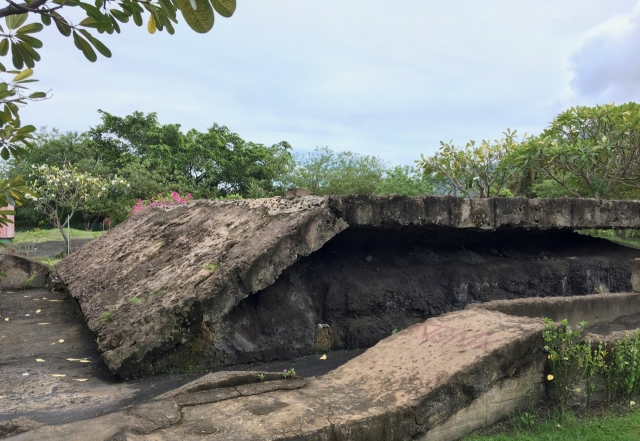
{"x":18,"y":40}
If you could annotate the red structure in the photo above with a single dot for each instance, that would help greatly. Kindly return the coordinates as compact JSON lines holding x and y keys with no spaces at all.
{"x":8,"y":232}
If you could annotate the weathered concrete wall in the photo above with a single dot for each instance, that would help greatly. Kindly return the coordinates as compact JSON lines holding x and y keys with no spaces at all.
{"x":21,"y":272}
{"x":635,"y":278}
{"x":160,"y":278}
{"x":173,"y":290}
{"x":487,"y":214}
{"x":406,"y":387}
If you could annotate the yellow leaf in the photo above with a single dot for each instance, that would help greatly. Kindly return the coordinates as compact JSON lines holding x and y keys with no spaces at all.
{"x":58,"y":375}
{"x":38,"y":311}
{"x":324,"y":357}
{"x":7,"y":319}
{"x":61,"y":340}
{"x":44,"y":323}
{"x":39,"y":360}
{"x":549,"y":377}
{"x":151,"y":27}
{"x":80,"y":379}
{"x":73,"y":359}
{"x":84,"y":360}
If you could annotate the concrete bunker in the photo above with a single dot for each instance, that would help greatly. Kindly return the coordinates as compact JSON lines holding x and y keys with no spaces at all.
{"x":220,"y":283}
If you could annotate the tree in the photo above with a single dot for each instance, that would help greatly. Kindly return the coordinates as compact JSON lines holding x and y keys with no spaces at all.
{"x":473,"y":171}
{"x":405,"y":180}
{"x":324,"y":171}
{"x":215,"y":163}
{"x":588,"y":151}
{"x":102,"y":17}
{"x":63,"y":191}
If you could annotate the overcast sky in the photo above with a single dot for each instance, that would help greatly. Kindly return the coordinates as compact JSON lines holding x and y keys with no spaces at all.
{"x":384,"y":77}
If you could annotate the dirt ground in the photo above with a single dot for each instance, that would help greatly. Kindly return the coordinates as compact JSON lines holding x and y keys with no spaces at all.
{"x":56,"y":382}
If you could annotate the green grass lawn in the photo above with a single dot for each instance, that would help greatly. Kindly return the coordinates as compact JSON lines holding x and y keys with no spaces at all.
{"x":601,"y":428}
{"x":44,"y":235}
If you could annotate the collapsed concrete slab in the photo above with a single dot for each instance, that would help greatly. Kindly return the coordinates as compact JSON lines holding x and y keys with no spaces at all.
{"x":220,"y":283}
{"x":165,"y":276}
{"x":434,"y":381}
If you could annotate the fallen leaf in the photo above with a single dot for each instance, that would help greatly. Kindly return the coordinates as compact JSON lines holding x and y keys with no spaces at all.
{"x":39,"y":360}
{"x":25,"y":374}
{"x":80,"y":379}
{"x":52,"y":343}
{"x":84,"y":360}
{"x":7,"y":319}
{"x":56,"y":300}
{"x":58,"y":375}
{"x":26,"y":296}
{"x":324,"y":357}
{"x":44,"y":298}
{"x":26,"y":315}
{"x":73,"y":359}
{"x":61,"y":340}
{"x":632,"y":403}
{"x":1,"y":396}
{"x":44,"y":323}
{"x":4,"y":336}
{"x":38,"y":311}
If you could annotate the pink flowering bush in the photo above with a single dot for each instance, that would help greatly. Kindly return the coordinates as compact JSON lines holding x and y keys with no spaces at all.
{"x":160,"y":201}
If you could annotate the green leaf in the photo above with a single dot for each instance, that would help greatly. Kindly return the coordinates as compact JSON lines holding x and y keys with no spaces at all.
{"x":120,"y":16}
{"x":115,"y":24}
{"x":85,"y":47}
{"x":137,"y":18}
{"x":29,"y":54}
{"x":31,"y":28}
{"x":5,"y":154}
{"x":89,"y":22}
{"x":4,"y":47}
{"x":23,"y":75}
{"x":226,"y":8}
{"x":199,"y":19}
{"x":97,"y":44}
{"x":15,"y":21}
{"x":46,"y":20}
{"x":62,"y":25}
{"x":16,"y":57}
{"x":37,"y":95}
{"x":31,"y":41}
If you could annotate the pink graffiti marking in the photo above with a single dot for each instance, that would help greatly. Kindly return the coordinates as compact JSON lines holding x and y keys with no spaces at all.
{"x":443,"y":335}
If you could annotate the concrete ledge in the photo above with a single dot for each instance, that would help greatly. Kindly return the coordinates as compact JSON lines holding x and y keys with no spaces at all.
{"x":484,"y":214}
{"x":592,"y":308}
{"x":22,"y":272}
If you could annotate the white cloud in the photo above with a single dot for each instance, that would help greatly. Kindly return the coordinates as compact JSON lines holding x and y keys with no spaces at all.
{"x":607,"y":66}
{"x":377,"y":77}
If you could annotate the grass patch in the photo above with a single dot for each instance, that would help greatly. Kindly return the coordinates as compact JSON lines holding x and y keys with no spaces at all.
{"x":136,"y":300}
{"x":603,"y":427}
{"x":51,"y":261}
{"x":106,"y":316}
{"x":210,"y":266}
{"x":45,"y":235}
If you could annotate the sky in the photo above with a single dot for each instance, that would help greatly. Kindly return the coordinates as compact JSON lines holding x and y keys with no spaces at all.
{"x":376,"y":77}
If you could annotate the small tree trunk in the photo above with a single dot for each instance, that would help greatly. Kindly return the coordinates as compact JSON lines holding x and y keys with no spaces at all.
{"x":64,"y":236}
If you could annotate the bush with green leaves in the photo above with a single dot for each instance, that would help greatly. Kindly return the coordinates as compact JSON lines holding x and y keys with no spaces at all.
{"x":588,"y":151}
{"x":573,"y":361}
{"x":61,"y":191}
{"x":473,"y":171}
